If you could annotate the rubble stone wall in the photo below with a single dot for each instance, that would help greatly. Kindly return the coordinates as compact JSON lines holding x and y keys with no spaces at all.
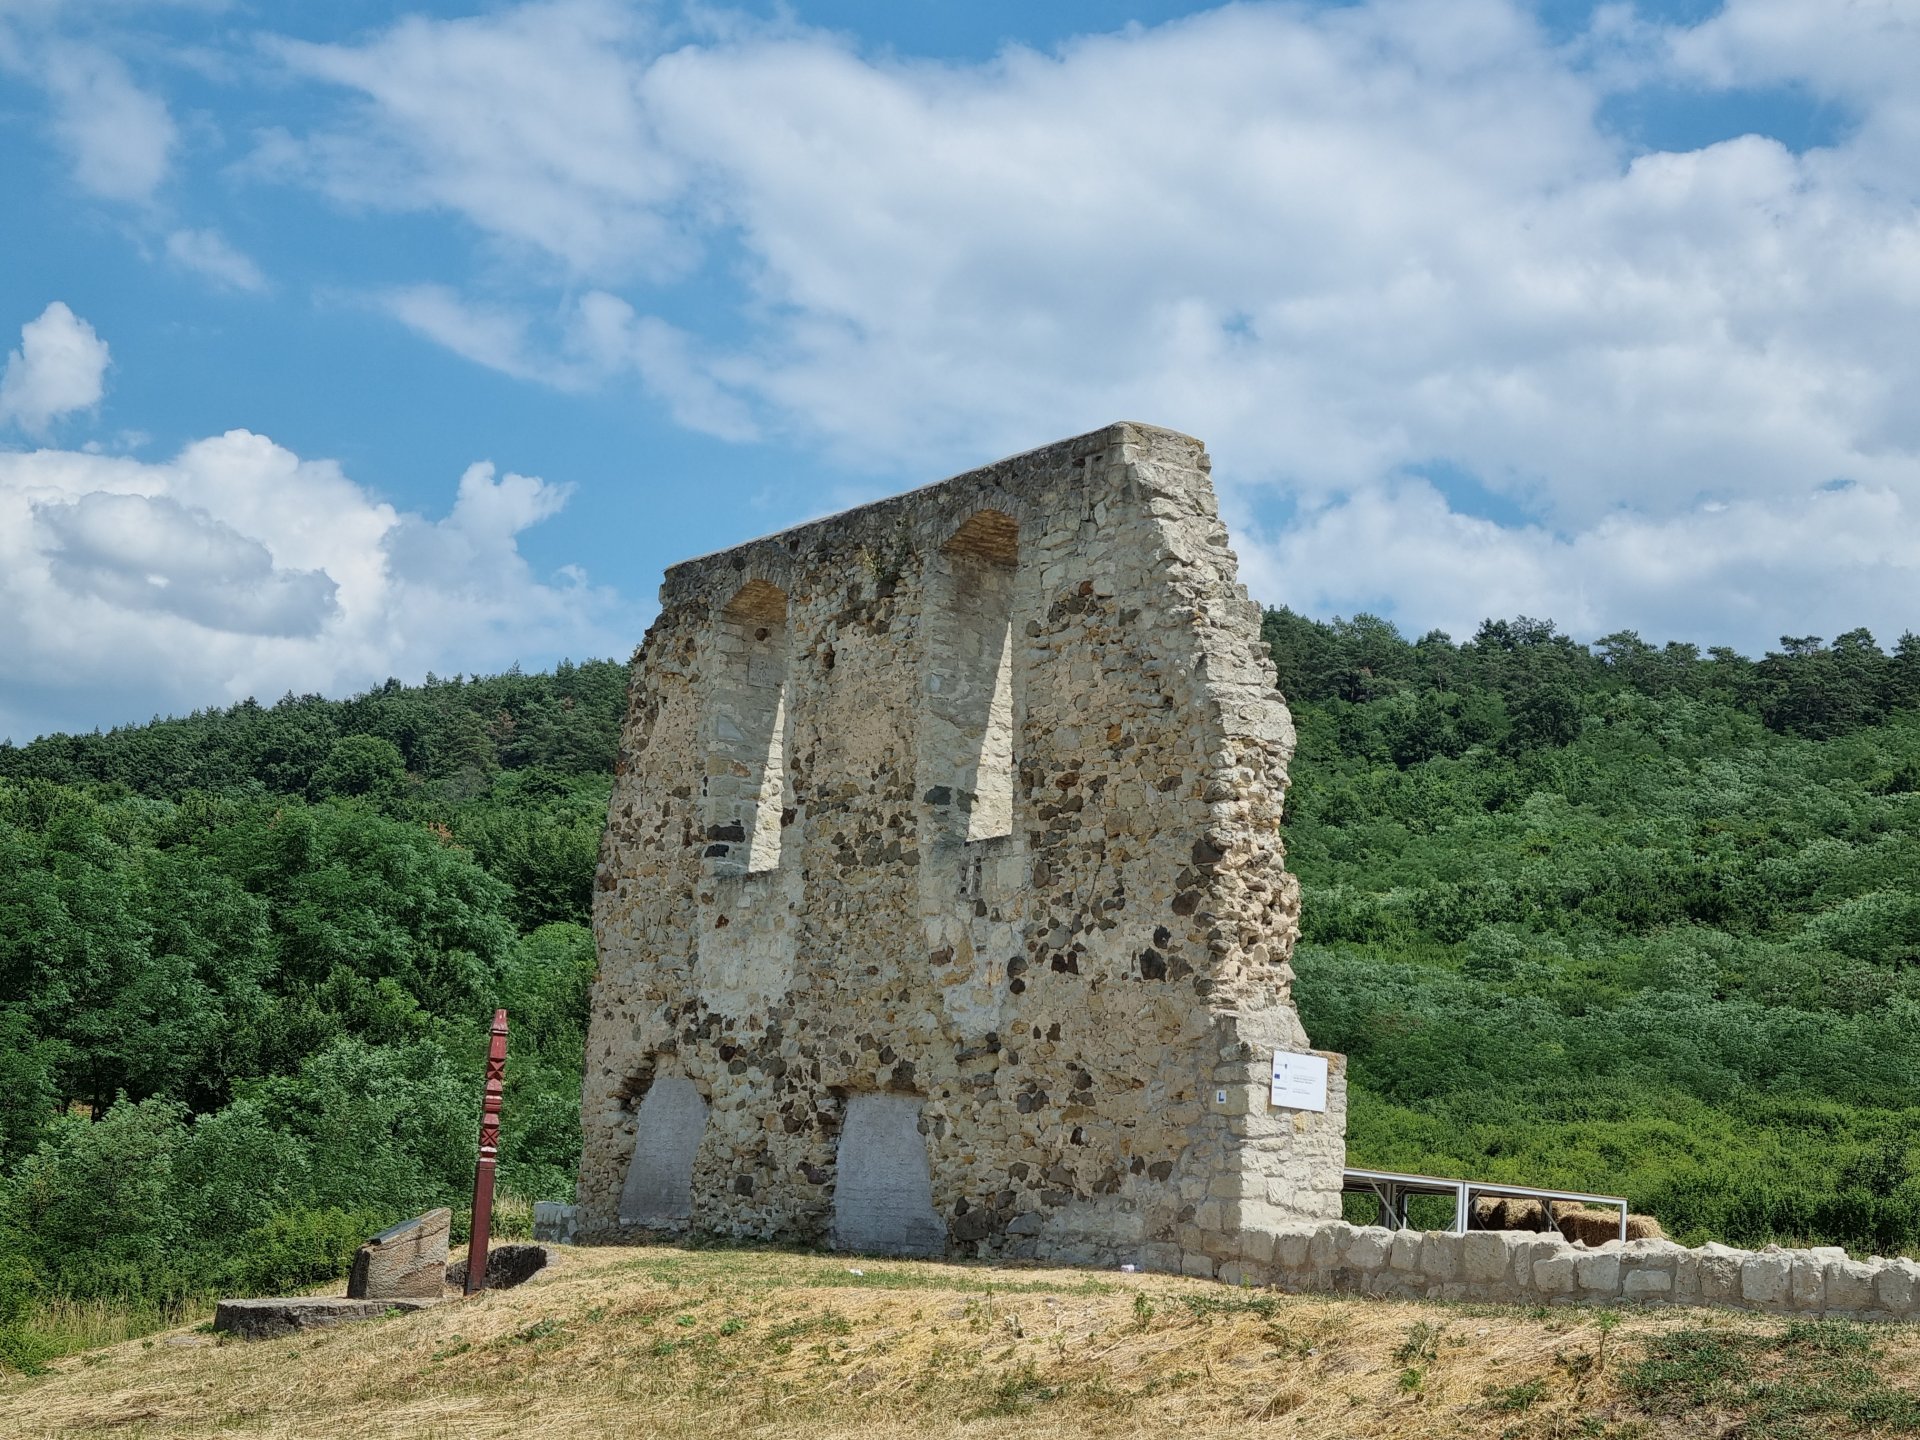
{"x":972,"y":798}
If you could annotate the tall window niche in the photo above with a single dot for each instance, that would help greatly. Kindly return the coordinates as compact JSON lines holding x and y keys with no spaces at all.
{"x":747,"y":764}
{"x":970,"y":680}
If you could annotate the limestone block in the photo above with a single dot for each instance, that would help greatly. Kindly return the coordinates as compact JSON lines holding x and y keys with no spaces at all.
{"x":1292,"y":1248}
{"x":1244,"y":1273}
{"x":1529,"y":1250}
{"x":1440,"y":1257}
{"x":1406,"y":1250}
{"x":1554,"y":1274}
{"x":1257,"y":1246}
{"x":1807,"y":1285}
{"x":1686,"y":1277}
{"x":1484,"y":1256}
{"x":406,"y":1261}
{"x":1160,"y":1259}
{"x":1192,"y":1262}
{"x":1897,"y":1286}
{"x":1767,"y":1279}
{"x":1369,"y":1249}
{"x":1329,"y":1243}
{"x":1850,"y":1284}
{"x":1598,"y":1272}
{"x":1721,"y":1268}
{"x":1646,"y":1284}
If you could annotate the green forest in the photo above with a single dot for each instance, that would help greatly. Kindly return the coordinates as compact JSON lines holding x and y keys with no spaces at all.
{"x":1617,"y":916}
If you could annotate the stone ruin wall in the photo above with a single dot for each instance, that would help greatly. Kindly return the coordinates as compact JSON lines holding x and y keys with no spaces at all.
{"x":941,"y":908}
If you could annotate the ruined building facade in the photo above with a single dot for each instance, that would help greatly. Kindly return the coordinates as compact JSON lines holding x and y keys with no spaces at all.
{"x":941,"y":908}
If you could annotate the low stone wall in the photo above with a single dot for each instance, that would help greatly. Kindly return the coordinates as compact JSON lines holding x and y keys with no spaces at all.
{"x":1523,"y":1268}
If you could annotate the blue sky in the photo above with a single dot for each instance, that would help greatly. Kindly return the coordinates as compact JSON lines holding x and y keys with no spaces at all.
{"x":351,"y":340}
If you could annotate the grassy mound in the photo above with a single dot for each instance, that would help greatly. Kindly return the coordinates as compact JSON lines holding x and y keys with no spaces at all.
{"x":657,"y":1341}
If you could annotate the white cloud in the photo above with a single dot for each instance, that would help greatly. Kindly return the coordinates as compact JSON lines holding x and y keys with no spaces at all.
{"x":209,"y":254}
{"x":60,"y":367}
{"x":491,"y":335}
{"x":1338,"y":242}
{"x":119,"y":138}
{"x":526,"y":122}
{"x":1746,"y":571}
{"x":238,"y":568}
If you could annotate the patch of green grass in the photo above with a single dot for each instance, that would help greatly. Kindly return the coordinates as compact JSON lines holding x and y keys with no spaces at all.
{"x":1813,"y":1377}
{"x":1523,"y":1396}
{"x":1422,"y":1345}
{"x":1019,"y":1393}
{"x":1207,"y":1306}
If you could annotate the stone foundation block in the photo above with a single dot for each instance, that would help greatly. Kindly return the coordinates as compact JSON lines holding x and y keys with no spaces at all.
{"x":1598,"y":1272}
{"x":1329,"y":1243}
{"x":1767,"y":1279}
{"x":1160,"y":1259}
{"x":1721,"y":1270}
{"x":1646,"y":1284}
{"x":1196,"y":1264}
{"x":1807,"y":1285}
{"x":1369,"y":1249}
{"x":1897,"y":1286}
{"x":1292,"y":1248}
{"x":287,"y":1315}
{"x":1555,"y":1275}
{"x":1850,"y":1284}
{"x":1440,"y":1257}
{"x":1244,"y":1274}
{"x":1485,"y":1256}
{"x":1405,"y":1254}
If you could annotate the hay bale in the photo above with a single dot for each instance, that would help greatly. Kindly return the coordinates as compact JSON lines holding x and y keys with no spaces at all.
{"x":1596,"y":1227}
{"x":1507,"y":1212}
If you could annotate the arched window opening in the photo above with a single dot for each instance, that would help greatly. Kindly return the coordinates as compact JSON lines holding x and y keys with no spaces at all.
{"x":747,"y":764}
{"x":970,"y":680}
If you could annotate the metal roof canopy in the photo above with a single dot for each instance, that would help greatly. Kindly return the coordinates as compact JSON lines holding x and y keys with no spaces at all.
{"x":1392,"y":1189}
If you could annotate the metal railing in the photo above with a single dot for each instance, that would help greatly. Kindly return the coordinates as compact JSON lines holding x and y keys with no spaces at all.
{"x":1392,"y":1190}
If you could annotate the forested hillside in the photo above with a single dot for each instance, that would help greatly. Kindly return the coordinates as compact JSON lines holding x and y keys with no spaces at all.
{"x":1606,"y":916}
{"x":247,"y":959}
{"x":1620,"y":918}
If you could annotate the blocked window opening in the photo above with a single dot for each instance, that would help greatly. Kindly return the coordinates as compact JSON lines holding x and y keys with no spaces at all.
{"x":970,"y":679}
{"x":659,"y":1189}
{"x":883,"y":1193}
{"x":746,"y":766}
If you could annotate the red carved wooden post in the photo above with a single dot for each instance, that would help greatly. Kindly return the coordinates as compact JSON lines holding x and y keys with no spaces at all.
{"x":489,"y":1153}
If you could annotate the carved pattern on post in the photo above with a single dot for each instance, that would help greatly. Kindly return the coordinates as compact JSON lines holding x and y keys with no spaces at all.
{"x":489,"y":1155}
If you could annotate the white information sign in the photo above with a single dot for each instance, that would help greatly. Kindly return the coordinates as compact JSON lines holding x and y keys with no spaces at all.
{"x":1300,"y":1081}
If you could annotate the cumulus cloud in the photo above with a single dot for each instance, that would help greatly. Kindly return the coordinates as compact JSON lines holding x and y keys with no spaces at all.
{"x":60,"y":367}
{"x":238,"y":568}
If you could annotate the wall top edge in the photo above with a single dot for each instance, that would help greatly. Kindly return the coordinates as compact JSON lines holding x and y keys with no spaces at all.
{"x":1003,"y":475}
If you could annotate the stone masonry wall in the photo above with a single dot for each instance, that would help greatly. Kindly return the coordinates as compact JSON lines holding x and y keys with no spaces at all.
{"x":1524,"y":1268}
{"x":950,"y":828}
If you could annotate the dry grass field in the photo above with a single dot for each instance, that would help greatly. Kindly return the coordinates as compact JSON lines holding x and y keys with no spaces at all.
{"x":733,"y":1343}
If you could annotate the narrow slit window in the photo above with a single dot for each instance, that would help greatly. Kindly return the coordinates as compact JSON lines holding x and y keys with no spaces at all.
{"x":970,"y":680}
{"x":747,"y":765}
